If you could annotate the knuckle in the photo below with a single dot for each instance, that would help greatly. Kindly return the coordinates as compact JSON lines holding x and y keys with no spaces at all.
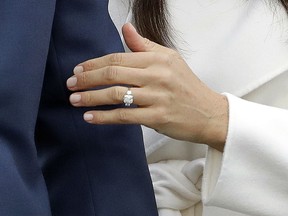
{"x":83,"y":79}
{"x":89,"y":65}
{"x":115,"y":59}
{"x":170,"y":58}
{"x":123,"y":116}
{"x":149,"y":44}
{"x":99,"y":118}
{"x":116,"y":94}
{"x":158,"y":57}
{"x":165,"y":79}
{"x":163,"y":58}
{"x":86,"y":99}
{"x":174,"y":53}
{"x":111,"y":73}
{"x":162,"y":117}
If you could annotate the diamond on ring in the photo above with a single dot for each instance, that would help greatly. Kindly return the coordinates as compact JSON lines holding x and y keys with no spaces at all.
{"x":128,"y":98}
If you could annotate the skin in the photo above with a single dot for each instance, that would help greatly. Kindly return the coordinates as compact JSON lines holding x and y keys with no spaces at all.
{"x":169,"y":96}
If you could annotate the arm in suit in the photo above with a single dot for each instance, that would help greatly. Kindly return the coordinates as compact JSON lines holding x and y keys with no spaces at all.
{"x":25,"y":28}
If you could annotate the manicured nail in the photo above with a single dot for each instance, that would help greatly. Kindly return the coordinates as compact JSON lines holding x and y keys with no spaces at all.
{"x":71,"y":82}
{"x":78,"y":69}
{"x":75,"y":98}
{"x":88,"y":117}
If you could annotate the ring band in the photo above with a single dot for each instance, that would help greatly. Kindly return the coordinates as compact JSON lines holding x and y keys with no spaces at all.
{"x":128,"y":98}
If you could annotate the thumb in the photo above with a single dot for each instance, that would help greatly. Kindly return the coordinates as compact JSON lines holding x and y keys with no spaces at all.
{"x":136,"y":42}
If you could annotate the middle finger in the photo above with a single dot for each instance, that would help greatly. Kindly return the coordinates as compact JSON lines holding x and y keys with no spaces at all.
{"x":108,"y":76}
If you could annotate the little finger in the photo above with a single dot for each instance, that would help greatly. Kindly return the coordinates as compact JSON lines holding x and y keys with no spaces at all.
{"x":119,"y":116}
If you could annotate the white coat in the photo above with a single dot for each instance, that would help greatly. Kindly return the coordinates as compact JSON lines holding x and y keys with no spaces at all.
{"x":239,"y":48}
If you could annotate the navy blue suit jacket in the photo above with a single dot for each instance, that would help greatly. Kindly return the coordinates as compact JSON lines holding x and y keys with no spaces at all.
{"x":51,"y":161}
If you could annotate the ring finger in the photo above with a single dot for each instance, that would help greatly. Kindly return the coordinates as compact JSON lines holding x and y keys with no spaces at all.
{"x":112,"y":95}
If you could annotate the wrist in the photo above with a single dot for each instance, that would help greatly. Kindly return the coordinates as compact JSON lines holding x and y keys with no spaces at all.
{"x":215,"y":132}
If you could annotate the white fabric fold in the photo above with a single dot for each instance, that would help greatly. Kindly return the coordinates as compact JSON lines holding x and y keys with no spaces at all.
{"x":177,"y":185}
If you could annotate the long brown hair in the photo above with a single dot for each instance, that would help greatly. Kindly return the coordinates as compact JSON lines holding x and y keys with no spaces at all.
{"x":151,"y":19}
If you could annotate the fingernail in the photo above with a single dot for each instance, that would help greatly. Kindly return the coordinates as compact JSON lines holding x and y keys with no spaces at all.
{"x":88,"y":117}
{"x":78,"y":69}
{"x":71,"y":82}
{"x":75,"y":98}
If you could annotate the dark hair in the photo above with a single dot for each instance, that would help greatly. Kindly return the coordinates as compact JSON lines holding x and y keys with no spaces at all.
{"x":151,"y":19}
{"x":285,"y":4}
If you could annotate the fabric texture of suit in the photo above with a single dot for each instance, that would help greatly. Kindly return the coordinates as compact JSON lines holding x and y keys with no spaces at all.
{"x":78,"y":168}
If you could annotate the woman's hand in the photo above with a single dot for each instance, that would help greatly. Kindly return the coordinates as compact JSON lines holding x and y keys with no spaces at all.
{"x":169,"y":97}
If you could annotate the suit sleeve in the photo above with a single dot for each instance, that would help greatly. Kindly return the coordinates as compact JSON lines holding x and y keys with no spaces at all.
{"x":25,"y":29}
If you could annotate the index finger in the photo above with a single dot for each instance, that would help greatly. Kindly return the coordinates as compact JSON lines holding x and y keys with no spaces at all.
{"x":133,"y":60}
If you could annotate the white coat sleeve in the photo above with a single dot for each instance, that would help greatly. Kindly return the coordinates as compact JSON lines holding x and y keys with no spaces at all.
{"x":251,"y":176}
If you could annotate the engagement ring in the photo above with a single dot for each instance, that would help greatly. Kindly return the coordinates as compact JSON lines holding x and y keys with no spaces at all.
{"x":128,"y":98}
